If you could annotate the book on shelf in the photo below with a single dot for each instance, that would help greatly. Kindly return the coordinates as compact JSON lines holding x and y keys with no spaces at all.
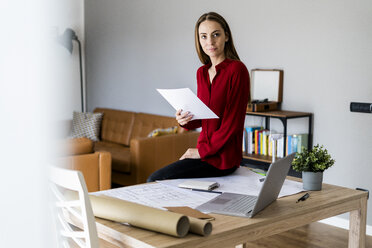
{"x":262,"y":143}
{"x":280,"y":147}
{"x":270,"y":148}
{"x":296,"y":142}
{"x":303,"y":140}
{"x":250,"y":138}
{"x":288,"y":145}
{"x":244,"y":144}
{"x":265,"y":142}
{"x":258,"y":140}
{"x":273,"y":143}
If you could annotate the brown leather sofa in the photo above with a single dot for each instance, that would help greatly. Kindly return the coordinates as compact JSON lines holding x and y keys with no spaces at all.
{"x":77,"y":154}
{"x":134,"y":155}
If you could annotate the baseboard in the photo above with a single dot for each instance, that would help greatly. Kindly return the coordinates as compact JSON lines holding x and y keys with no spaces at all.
{"x":342,"y":223}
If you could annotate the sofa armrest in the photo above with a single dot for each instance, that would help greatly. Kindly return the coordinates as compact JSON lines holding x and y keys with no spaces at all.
{"x":150,"y":154}
{"x":95,"y":167}
{"x":104,"y":167}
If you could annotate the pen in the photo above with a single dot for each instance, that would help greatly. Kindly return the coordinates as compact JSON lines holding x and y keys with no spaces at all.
{"x":208,"y":191}
{"x":303,"y":198}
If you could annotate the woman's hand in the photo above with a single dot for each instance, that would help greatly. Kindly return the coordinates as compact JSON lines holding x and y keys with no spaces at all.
{"x":191,"y":153}
{"x":183,"y":118}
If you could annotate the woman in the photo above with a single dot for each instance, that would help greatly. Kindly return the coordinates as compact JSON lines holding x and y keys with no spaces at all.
{"x":223,"y":85}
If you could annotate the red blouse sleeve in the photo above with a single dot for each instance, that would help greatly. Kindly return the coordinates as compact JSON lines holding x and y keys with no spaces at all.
{"x":232,"y":122}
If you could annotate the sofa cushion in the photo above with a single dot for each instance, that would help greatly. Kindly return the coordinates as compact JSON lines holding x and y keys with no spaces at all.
{"x":117,"y":125}
{"x":120,"y":155}
{"x":86,"y":125}
{"x":146,"y":123}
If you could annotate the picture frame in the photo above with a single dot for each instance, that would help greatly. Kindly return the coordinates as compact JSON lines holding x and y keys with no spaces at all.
{"x":266,"y":90}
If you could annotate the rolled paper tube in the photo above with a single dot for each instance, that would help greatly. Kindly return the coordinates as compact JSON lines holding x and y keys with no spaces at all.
{"x":139,"y":215}
{"x":201,"y":227}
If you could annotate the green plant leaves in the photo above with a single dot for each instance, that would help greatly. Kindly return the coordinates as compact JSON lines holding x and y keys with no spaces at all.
{"x":314,"y":160}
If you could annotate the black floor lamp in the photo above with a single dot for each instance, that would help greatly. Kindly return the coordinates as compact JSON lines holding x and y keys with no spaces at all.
{"x":66,"y":40}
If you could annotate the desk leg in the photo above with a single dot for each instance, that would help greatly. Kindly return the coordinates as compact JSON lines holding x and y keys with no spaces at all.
{"x":357,"y":222}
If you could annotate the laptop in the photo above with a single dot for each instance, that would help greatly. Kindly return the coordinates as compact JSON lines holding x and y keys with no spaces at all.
{"x":248,"y":205}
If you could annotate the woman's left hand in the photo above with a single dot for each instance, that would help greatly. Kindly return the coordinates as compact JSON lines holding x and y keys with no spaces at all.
{"x":191,"y":153}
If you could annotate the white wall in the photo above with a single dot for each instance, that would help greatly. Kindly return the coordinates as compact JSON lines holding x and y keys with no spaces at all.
{"x":23,"y":125}
{"x":66,"y":84}
{"x":31,"y":99}
{"x":324,"y":48}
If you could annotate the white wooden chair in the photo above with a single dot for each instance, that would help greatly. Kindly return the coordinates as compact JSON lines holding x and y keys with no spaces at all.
{"x":80,"y":209}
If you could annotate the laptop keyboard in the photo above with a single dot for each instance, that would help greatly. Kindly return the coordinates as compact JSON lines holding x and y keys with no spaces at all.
{"x":242,"y":205}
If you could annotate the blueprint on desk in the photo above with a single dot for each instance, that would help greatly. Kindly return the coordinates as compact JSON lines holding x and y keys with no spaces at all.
{"x":167,"y":193}
{"x":159,"y":195}
{"x":243,"y":181}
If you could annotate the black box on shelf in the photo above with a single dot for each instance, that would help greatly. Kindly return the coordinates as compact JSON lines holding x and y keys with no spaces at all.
{"x":261,"y":107}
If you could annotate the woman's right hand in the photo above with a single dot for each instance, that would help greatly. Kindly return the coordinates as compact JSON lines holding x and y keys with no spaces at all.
{"x":183,"y":118}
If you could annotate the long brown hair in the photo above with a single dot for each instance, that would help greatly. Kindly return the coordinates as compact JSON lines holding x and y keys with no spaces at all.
{"x":230,"y":51}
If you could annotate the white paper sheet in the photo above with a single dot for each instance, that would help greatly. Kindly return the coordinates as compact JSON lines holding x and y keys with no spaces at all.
{"x":159,"y":195}
{"x":242,"y":181}
{"x":186,"y":100}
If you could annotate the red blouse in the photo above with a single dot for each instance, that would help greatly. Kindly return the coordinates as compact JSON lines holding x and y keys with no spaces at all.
{"x":220,"y":141}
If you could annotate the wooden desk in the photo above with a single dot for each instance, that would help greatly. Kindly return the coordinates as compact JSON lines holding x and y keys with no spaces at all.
{"x":282,"y":215}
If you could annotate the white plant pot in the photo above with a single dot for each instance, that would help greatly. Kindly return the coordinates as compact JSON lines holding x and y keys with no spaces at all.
{"x":312,"y":180}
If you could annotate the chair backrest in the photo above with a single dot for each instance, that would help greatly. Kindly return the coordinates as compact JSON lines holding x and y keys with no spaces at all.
{"x":72,"y":201}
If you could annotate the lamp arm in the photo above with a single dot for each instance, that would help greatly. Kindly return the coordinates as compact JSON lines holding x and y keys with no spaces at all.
{"x":81,"y":75}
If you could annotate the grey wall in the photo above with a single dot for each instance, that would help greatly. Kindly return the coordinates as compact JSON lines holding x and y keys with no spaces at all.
{"x":324,"y":47}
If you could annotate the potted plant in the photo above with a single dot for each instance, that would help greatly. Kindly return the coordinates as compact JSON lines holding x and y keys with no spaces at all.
{"x":312,"y":163}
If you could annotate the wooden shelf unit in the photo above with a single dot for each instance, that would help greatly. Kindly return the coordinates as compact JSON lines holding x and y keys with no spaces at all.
{"x":283,"y":116}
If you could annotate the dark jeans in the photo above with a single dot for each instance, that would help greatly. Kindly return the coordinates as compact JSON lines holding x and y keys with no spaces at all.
{"x":188,"y":168}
